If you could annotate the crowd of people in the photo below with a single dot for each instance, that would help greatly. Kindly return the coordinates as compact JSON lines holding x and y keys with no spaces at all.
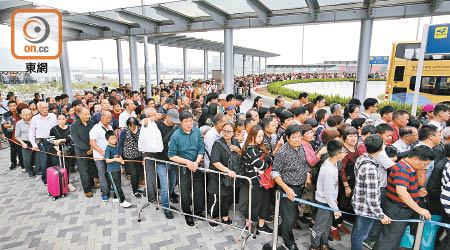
{"x":377,"y":165}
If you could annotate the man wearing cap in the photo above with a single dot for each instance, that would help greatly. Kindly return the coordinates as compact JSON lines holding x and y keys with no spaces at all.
{"x":441,"y":115}
{"x":230,"y":111}
{"x":222,"y":101}
{"x":167,"y":173}
{"x":428,"y":110}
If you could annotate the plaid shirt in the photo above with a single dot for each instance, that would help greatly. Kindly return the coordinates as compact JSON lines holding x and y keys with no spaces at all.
{"x":366,"y":198}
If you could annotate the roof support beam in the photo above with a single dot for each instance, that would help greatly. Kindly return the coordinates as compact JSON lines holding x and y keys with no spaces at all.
{"x":180,"y":42}
{"x":261,"y":9}
{"x":143,"y":22}
{"x":5,"y":13}
{"x":313,"y":6}
{"x":70,"y":34}
{"x":178,"y":18}
{"x":117,"y":27}
{"x":369,"y":5}
{"x":203,"y":46}
{"x":85,"y":28}
{"x":13,"y":4}
{"x":435,"y":4}
{"x":164,"y":39}
{"x":217,"y":14}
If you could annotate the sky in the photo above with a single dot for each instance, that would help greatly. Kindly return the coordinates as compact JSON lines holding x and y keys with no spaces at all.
{"x":334,"y":41}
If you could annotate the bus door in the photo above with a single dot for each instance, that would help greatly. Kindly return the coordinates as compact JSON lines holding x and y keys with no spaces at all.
{"x":399,"y":91}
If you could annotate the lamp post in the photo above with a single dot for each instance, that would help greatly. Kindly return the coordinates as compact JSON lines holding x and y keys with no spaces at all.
{"x":103,"y":74}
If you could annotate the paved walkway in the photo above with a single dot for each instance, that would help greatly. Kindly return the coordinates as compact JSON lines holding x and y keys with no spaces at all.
{"x":30,"y":219}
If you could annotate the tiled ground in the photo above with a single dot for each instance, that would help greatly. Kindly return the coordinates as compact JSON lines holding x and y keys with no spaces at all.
{"x":30,"y":219}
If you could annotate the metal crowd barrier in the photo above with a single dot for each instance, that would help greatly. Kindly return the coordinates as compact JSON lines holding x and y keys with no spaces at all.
{"x":246,"y":229}
{"x":278,"y":195}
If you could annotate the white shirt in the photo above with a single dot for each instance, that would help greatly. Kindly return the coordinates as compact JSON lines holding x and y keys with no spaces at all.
{"x":385,"y":163}
{"x":97,"y":133}
{"x":40,"y":127}
{"x":401,"y":146}
{"x":211,"y":136}
{"x":123,"y":117}
{"x":437,"y":124}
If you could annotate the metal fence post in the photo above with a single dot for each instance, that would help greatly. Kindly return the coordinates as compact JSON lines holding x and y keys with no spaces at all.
{"x":418,"y":238}
{"x":275,"y":220}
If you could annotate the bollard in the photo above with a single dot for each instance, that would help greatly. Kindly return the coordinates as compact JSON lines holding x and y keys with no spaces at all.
{"x":275,"y":220}
{"x":418,"y":238}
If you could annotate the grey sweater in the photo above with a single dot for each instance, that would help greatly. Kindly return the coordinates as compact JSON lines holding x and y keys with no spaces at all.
{"x":327,"y":184}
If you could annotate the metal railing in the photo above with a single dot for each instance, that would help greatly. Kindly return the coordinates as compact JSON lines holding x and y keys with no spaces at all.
{"x":278,"y":195}
{"x":150,"y":162}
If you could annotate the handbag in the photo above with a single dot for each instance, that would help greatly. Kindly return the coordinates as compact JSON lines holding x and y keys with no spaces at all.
{"x":265,"y":178}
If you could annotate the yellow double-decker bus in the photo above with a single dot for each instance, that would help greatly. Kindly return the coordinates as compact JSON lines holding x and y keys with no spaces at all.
{"x":401,"y":80}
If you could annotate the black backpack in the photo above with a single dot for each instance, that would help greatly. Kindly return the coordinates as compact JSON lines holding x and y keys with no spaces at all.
{"x":234,"y":164}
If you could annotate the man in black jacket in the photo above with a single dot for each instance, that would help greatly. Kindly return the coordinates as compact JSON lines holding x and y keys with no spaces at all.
{"x":9,"y":121}
{"x":79,"y":132}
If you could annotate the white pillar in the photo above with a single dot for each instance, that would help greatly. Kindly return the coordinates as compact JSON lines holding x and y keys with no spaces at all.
{"x":265,"y":64}
{"x":158,"y":64}
{"x":253,"y":65}
{"x":363,"y":60}
{"x":243,"y":65}
{"x":220,"y":61}
{"x":148,"y":86}
{"x":259,"y":66}
{"x":65,"y":71}
{"x":228,"y":62}
{"x":185,"y":63}
{"x":134,"y":63}
{"x":205,"y":65}
{"x":119,"y":61}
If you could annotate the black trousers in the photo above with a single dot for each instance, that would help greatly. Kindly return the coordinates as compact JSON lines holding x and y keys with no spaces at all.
{"x":391,"y":234}
{"x":27,"y":155}
{"x":289,"y":214}
{"x":15,"y":152}
{"x":224,"y":204}
{"x":116,"y":181}
{"x":260,"y":198}
{"x":86,"y":170}
{"x":196,"y":185}
{"x":135,"y":169}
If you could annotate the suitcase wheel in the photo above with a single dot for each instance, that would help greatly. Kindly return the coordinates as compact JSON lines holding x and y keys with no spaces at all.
{"x":49,"y":194}
{"x":63,"y":195}
{"x":54,"y":198}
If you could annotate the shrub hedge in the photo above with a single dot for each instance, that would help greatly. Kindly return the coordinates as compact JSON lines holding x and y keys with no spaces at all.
{"x":278,"y":88}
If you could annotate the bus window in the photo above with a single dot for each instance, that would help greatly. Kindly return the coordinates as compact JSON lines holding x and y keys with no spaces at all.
{"x":436,"y":85}
{"x":398,"y":74}
{"x":408,"y":51}
{"x":443,"y":85}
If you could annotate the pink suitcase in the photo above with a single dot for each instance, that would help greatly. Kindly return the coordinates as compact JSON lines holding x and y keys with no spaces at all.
{"x":57,"y":181}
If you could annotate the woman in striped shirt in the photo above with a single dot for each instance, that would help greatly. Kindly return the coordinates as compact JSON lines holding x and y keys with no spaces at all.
{"x":256,"y":159}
